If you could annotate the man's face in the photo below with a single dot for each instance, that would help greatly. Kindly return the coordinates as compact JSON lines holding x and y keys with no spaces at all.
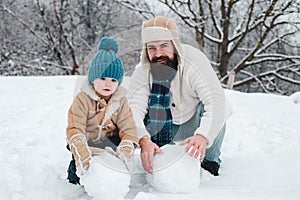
{"x":160,"y":52}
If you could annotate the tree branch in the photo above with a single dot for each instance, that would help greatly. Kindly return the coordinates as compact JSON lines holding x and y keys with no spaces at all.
{"x":24,"y":24}
{"x":243,"y":33}
{"x":51,"y":42}
{"x":213,"y":18}
{"x":268,"y":73}
{"x":70,"y":46}
{"x":242,"y":64}
{"x":134,"y":7}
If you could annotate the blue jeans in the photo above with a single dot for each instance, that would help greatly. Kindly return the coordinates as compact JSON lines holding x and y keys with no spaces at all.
{"x":188,"y":128}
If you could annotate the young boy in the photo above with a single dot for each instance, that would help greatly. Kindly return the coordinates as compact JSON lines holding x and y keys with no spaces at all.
{"x":99,"y":115}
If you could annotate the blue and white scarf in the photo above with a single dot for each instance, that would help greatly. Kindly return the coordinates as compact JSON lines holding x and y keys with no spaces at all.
{"x":158,"y":120}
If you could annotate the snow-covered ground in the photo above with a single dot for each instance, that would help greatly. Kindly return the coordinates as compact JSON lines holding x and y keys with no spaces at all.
{"x":260,"y":152}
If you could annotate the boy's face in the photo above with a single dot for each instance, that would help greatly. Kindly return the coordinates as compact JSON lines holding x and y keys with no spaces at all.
{"x":160,"y":52}
{"x":105,"y":87}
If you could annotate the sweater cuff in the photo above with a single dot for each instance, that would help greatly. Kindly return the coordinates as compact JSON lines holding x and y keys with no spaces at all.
{"x":142,"y":132}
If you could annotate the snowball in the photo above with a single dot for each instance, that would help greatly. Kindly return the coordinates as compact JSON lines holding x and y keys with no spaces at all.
{"x":175,"y":171}
{"x":107,"y":177}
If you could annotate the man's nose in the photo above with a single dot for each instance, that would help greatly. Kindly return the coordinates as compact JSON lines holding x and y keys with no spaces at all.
{"x":158,"y":52}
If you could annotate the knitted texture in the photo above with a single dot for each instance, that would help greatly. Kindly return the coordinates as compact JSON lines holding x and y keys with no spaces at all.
{"x":106,"y":63}
{"x":159,"y":28}
{"x":158,"y":120}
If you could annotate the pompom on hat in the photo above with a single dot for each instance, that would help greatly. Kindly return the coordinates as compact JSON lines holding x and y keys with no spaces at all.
{"x":106,"y":63}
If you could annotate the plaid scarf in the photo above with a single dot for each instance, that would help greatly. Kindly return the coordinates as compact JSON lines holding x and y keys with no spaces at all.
{"x":158,"y":120}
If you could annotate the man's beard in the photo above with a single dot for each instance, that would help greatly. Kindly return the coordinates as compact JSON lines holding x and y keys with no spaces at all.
{"x":164,"y":71}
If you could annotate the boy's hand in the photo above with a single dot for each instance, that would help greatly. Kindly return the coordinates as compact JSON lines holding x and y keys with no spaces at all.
{"x":125,"y":151}
{"x":81,"y":152}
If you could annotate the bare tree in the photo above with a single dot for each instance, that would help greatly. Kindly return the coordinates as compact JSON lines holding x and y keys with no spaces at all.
{"x":61,"y":35}
{"x":244,"y":36}
{"x":141,"y":7}
{"x":254,"y":39}
{"x":21,"y":43}
{"x":97,"y":19}
{"x":82,"y":23}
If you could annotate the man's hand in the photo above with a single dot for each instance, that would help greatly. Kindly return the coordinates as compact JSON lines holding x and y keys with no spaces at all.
{"x":148,"y":149}
{"x":198,"y":144}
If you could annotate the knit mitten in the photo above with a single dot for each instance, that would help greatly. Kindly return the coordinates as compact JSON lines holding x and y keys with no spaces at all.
{"x":81,"y":152}
{"x":125,"y":151}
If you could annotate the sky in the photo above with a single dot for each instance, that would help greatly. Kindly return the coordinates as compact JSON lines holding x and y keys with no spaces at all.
{"x":260,"y":153}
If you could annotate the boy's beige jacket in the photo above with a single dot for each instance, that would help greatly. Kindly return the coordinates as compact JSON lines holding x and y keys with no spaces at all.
{"x":93,"y":117}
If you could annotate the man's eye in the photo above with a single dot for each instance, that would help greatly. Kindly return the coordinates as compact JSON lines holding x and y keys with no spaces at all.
{"x":102,"y":79}
{"x":114,"y":80}
{"x":164,"y":46}
{"x":150,"y":48}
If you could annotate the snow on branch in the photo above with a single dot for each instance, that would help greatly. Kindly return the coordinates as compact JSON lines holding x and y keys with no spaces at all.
{"x":243,"y":33}
{"x":214,"y":19}
{"x":257,"y":78}
{"x":65,"y":36}
{"x":296,"y":71}
{"x":277,"y":56}
{"x":242,"y":64}
{"x":134,"y":7}
{"x":24,"y":24}
{"x":271,"y":57}
{"x":252,"y":76}
{"x":195,"y":22}
{"x":270,"y":43}
{"x":286,"y":78}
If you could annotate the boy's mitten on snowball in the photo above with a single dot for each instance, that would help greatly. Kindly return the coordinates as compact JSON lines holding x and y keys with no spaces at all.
{"x":125,"y":152}
{"x":81,"y":152}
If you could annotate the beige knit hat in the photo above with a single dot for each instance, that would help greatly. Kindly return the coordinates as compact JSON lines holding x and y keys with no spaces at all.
{"x":159,"y":28}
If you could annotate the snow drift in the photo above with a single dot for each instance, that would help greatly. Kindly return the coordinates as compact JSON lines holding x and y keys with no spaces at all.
{"x":260,"y":153}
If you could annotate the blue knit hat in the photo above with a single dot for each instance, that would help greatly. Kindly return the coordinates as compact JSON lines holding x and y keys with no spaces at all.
{"x":106,"y":63}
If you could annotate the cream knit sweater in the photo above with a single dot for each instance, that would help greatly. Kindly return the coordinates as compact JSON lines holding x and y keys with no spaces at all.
{"x":194,"y":82}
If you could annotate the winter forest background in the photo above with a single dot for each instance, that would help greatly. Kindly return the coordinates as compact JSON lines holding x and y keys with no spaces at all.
{"x":253,"y":45}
